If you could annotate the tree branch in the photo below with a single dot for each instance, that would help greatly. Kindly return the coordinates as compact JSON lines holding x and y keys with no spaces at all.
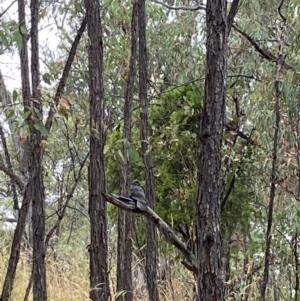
{"x":9,"y":6}
{"x":192,"y":8}
{"x":65,"y":74}
{"x":233,"y":11}
{"x":13,"y":176}
{"x":169,"y":234}
{"x":264,"y":53}
{"x":280,"y":13}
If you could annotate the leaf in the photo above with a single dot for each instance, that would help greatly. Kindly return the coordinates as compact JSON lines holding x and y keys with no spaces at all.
{"x":121,"y":155}
{"x":18,"y":39}
{"x":65,"y":102}
{"x":47,"y":78}
{"x":23,"y":30}
{"x":11,"y":114}
{"x":38,"y":113}
{"x":127,"y":143}
{"x":15,"y":95}
{"x":38,"y":124}
{"x":106,"y":148}
{"x":134,"y":155}
{"x":23,"y":134}
{"x":26,"y":115}
{"x":4,"y":39}
{"x":44,"y":144}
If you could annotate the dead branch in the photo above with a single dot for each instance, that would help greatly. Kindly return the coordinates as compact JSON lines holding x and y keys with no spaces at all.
{"x":191,"y":261}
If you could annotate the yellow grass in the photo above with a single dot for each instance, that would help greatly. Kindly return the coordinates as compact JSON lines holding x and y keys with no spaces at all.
{"x":68,"y":279}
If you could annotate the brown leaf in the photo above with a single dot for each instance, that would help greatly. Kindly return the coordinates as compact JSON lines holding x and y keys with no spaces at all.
{"x":22,"y":136}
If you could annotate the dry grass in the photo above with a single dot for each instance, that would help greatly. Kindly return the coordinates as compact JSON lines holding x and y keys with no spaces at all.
{"x":68,"y":279}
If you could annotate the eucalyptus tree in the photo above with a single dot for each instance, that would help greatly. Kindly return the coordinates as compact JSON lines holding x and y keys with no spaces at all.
{"x":32,"y":161}
{"x":99,"y":282}
{"x":124,"y":258}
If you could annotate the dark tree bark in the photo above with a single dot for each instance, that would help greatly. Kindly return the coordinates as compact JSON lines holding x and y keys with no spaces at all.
{"x":35,"y":168}
{"x":210,"y":278}
{"x":20,"y":228}
{"x":16,"y":247}
{"x":65,"y":74}
{"x":273,"y":177}
{"x":24,"y":152}
{"x":9,"y":166}
{"x":124,"y":275}
{"x":151,"y":251}
{"x":99,"y":281}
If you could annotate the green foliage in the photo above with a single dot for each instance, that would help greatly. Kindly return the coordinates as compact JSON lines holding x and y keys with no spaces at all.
{"x":175,"y":121}
{"x":10,"y":35}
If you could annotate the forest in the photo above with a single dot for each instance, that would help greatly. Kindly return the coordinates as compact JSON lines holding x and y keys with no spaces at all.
{"x":149,"y":150}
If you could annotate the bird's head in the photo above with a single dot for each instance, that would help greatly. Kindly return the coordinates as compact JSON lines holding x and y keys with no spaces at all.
{"x":136,"y":183}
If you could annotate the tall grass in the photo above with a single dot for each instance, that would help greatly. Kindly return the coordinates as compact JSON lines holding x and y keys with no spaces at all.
{"x":68,"y":277}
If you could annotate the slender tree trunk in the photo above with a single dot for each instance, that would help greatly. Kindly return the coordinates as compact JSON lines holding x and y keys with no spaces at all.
{"x":99,"y":282}
{"x":273,"y":177}
{"x":35,"y":167}
{"x":16,"y":247}
{"x":210,"y":278}
{"x":20,"y":228}
{"x":124,"y":260}
{"x":151,"y":252}
{"x":6,"y":100}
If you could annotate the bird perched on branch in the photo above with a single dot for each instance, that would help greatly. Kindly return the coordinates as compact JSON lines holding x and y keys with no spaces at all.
{"x":137,"y":197}
{"x":137,"y":194}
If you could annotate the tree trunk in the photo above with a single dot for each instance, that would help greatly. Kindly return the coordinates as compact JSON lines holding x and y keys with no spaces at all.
{"x":124,"y":260}
{"x":99,"y":282}
{"x":35,"y":167}
{"x":16,"y":247}
{"x":210,"y":278}
{"x":151,"y":251}
{"x":20,"y":228}
{"x":273,"y":176}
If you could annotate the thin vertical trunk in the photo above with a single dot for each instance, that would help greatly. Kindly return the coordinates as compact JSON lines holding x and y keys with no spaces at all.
{"x":296,"y":237}
{"x":124,"y":275}
{"x":273,"y":181}
{"x":99,"y":282}
{"x":16,"y":247}
{"x":35,"y":167}
{"x":20,"y":228}
{"x":6,"y":101}
{"x":151,"y":251}
{"x":210,"y":278}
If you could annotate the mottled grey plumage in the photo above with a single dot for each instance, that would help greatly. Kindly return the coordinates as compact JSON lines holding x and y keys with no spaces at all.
{"x":136,"y":199}
{"x":137,"y":193}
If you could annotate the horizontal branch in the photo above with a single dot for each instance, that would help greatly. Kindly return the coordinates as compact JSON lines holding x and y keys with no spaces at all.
{"x":191,"y":261}
{"x":192,"y":8}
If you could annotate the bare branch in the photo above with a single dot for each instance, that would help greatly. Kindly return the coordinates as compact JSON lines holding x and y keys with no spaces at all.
{"x":8,"y":220}
{"x":192,"y":8}
{"x":65,"y":74}
{"x":280,"y":13}
{"x":12,"y":175}
{"x":233,"y":11}
{"x":264,"y":53}
{"x":169,"y":234}
{"x":245,"y":76}
{"x":9,"y":6}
